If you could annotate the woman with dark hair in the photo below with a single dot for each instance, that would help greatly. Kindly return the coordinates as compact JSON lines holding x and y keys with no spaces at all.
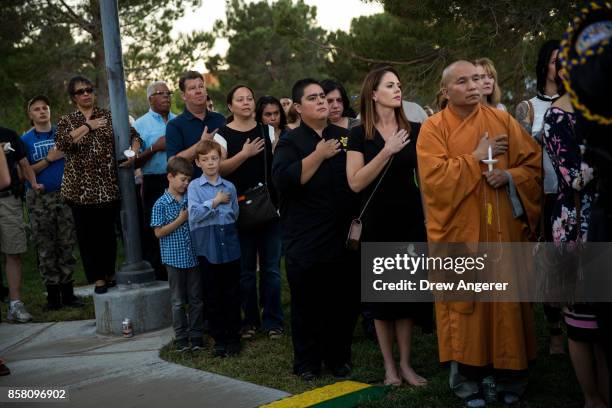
{"x":89,"y":184}
{"x":270,"y":112}
{"x":570,"y":220}
{"x":530,"y":114}
{"x":248,"y":148}
{"x":340,"y":111}
{"x":382,"y":151}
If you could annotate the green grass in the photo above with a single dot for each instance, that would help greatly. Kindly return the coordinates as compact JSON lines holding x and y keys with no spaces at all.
{"x":269,"y":362}
{"x":33,"y":292}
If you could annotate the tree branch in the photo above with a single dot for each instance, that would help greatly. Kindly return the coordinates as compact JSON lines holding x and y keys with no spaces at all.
{"x":72,"y":15}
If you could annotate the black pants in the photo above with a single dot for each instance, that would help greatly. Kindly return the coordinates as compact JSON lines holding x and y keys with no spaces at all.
{"x":153,"y":186}
{"x":97,"y":238}
{"x":324,"y":310}
{"x":222,"y":294}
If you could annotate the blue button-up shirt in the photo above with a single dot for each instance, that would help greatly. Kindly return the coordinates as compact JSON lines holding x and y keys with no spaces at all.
{"x":175,"y":248}
{"x":213,"y":230}
{"x":151,"y":127}
{"x":186,"y":130}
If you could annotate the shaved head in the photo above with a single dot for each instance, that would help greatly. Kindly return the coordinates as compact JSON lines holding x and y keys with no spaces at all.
{"x":461,"y":84}
{"x":448,"y":72}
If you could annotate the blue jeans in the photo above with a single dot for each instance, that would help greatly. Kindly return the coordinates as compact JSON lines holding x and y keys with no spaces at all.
{"x":265,"y":241}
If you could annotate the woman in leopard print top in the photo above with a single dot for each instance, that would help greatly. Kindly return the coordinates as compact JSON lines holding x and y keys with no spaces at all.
{"x":89,"y":184}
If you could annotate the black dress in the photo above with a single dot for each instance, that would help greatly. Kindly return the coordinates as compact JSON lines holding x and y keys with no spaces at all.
{"x":395,"y":214}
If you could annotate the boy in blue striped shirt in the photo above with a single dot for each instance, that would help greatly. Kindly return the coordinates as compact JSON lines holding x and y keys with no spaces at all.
{"x":213,"y":212}
{"x":169,"y":222}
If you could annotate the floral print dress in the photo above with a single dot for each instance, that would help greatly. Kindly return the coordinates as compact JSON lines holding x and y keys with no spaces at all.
{"x":575,"y":177}
{"x":569,"y":228}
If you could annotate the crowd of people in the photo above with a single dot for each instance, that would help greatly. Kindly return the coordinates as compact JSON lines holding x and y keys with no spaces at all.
{"x":223,"y":200}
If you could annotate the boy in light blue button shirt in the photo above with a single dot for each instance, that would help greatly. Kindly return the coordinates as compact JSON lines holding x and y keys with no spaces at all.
{"x":213,"y":212}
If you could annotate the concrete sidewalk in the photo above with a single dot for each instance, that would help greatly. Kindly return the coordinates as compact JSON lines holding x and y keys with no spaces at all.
{"x":101,"y":371}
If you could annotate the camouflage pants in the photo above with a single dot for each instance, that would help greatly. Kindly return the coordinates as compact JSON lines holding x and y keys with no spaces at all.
{"x":53,"y":235}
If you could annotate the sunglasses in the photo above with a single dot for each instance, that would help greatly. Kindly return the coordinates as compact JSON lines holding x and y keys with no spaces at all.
{"x":83,"y":91}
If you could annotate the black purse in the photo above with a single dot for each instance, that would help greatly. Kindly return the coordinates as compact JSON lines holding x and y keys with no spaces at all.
{"x":255,"y":204}
{"x":353,"y":240}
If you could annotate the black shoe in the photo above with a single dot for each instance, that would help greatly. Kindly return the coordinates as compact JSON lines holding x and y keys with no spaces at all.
{"x":219,"y":350}
{"x":181,"y":345}
{"x":341,"y":371}
{"x":101,"y":289}
{"x":111,"y":283}
{"x":308,"y":376}
{"x":53,"y":298}
{"x":197,"y":344}
{"x":68,"y":298}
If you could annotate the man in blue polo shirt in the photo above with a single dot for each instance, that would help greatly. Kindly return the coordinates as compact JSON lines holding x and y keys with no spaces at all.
{"x":50,"y":218}
{"x":195,"y":123}
{"x":152,"y":129}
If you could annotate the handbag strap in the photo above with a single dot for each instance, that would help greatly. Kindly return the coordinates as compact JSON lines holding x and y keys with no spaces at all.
{"x":263,"y":134}
{"x":375,"y":188}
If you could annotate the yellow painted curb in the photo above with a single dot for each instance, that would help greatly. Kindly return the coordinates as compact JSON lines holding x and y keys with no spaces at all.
{"x":318,"y":395}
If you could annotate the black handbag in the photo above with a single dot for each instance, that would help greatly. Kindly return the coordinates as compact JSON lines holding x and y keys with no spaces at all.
{"x":255,"y":204}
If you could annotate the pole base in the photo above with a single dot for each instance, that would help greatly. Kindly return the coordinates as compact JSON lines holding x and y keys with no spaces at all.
{"x":147,"y":306}
{"x":137,"y":272}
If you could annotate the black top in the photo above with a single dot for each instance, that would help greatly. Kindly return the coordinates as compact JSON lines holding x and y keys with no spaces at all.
{"x":315,"y":216}
{"x":251,"y":171}
{"x":395,"y":213}
{"x":12,"y":158}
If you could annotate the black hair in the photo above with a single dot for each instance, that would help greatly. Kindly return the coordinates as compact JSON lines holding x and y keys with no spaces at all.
{"x":330,"y":86}
{"x":230,"y":94}
{"x":270,"y":100}
{"x":560,"y":87}
{"x":546,"y":50}
{"x":297,"y":91}
{"x":76,"y":80}
{"x":185,"y":76}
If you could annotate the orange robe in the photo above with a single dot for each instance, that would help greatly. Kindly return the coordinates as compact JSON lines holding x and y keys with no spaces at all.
{"x":460,"y":206}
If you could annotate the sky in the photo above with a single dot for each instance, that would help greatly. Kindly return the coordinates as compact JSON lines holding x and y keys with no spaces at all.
{"x":332,"y":15}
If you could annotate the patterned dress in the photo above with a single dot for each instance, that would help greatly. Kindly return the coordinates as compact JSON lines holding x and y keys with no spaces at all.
{"x":575,"y":185}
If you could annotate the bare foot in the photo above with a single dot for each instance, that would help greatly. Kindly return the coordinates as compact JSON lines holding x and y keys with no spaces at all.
{"x":557,"y":345}
{"x":391,"y":377}
{"x":412,"y":377}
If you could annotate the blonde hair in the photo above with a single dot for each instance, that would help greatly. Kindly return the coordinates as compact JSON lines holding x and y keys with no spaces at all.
{"x":495,"y":98}
{"x":369,"y":117}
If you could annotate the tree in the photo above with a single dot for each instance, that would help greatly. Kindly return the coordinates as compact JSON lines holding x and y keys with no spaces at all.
{"x":508,"y":32}
{"x":271,"y":46}
{"x":65,"y":38}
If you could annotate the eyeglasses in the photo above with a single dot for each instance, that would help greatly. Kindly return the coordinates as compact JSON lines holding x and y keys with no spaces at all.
{"x":162,"y":93}
{"x":83,"y":91}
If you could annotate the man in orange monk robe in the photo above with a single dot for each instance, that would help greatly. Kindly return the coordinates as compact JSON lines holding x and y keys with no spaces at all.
{"x":465,"y":203}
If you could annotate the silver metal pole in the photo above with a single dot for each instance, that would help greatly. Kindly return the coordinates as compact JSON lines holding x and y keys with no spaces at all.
{"x":134,"y":270}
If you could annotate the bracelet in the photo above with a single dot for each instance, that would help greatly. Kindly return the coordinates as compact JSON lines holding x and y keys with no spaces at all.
{"x":88,"y":126}
{"x":151,"y":149}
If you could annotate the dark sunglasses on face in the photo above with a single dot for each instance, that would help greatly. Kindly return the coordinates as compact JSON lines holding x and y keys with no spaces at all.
{"x":83,"y":91}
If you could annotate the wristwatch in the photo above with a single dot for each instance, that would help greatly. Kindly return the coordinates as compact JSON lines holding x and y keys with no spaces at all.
{"x":88,"y":126}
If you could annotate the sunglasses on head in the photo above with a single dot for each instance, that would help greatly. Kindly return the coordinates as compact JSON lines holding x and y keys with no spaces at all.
{"x":83,"y":91}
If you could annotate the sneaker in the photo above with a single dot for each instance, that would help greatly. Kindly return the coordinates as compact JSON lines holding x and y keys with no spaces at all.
{"x":342,"y":371}
{"x":181,"y":345}
{"x":18,"y":313}
{"x":275,"y":334}
{"x":197,"y":345}
{"x":219,"y":350}
{"x":247,"y":332}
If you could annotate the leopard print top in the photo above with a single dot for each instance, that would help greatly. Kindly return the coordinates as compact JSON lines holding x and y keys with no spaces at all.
{"x":90,"y":172}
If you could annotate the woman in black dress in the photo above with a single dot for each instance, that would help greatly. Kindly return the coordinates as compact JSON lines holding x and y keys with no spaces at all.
{"x":394,"y":213}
